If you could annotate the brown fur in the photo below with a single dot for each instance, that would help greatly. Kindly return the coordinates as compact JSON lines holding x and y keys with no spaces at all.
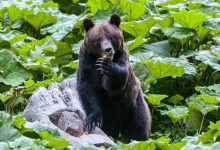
{"x":109,"y":90}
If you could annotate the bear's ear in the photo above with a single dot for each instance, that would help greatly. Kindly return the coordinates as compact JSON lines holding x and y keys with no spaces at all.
{"x":87,"y":24}
{"x":115,"y":20}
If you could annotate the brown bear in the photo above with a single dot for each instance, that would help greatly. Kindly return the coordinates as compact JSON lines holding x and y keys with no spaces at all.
{"x":107,"y":86}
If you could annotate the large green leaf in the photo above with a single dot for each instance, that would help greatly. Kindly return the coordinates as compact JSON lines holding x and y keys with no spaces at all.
{"x":201,"y":104}
{"x":13,"y":37}
{"x":163,"y":67}
{"x":138,"y":28}
{"x":211,"y":93}
{"x":181,"y":61}
{"x":160,"y":70}
{"x":96,"y":5}
{"x":14,"y":13}
{"x":39,"y":20}
{"x":202,"y":33}
{"x":178,"y":33}
{"x":5,"y":97}
{"x":210,"y":58}
{"x":27,"y":143}
{"x":213,"y":23}
{"x":190,"y":19}
{"x":18,"y":134}
{"x":7,"y":132}
{"x":161,"y":48}
{"x":61,"y":28}
{"x":12,"y":72}
{"x":134,"y":9}
{"x":48,"y":134}
{"x":175,"y":99}
{"x":135,"y":43}
{"x":34,"y":54}
{"x":201,"y":146}
{"x":176,"y":113}
{"x":155,"y":99}
{"x":212,"y":134}
{"x":43,"y":54}
{"x":168,"y":2}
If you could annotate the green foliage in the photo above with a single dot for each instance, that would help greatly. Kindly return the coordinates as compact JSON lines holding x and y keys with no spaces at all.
{"x":155,"y":99}
{"x":12,"y":72}
{"x":16,"y":133}
{"x":174,"y":48}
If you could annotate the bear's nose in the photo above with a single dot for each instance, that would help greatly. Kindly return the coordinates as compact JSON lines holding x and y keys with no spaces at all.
{"x":108,"y":50}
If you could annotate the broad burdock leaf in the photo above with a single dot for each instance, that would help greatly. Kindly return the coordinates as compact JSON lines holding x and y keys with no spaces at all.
{"x":217,"y":39}
{"x":164,"y":67}
{"x":5,"y":146}
{"x":210,"y":93}
{"x":212,"y":135}
{"x":176,"y":113}
{"x":16,"y":133}
{"x":155,"y":99}
{"x":213,"y":23}
{"x":14,"y":13}
{"x":138,"y":28}
{"x":96,"y":5}
{"x":190,"y":139}
{"x":161,"y":48}
{"x":5,"y":97}
{"x":177,"y":7}
{"x":194,"y":119}
{"x":133,"y":9}
{"x":13,"y":73}
{"x":34,"y":54}
{"x":61,"y":28}
{"x":178,"y":33}
{"x":175,"y":99}
{"x":44,"y":54}
{"x":160,"y":70}
{"x":39,"y":20}
{"x":19,"y":121}
{"x":200,"y":104}
{"x":49,"y":134}
{"x":27,"y":143}
{"x":209,"y":57}
{"x":139,"y":145}
{"x":7,"y":132}
{"x":181,"y":61}
{"x":205,"y":3}
{"x":160,"y":143}
{"x":133,"y":44}
{"x":168,"y":2}
{"x":31,"y":86}
{"x":190,"y":19}
{"x":13,"y":37}
{"x":201,"y":146}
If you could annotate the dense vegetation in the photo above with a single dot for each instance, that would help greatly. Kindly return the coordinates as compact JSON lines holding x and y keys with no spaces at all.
{"x":174,"y":48}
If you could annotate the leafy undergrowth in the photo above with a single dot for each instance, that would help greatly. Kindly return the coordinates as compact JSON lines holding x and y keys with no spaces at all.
{"x":174,"y":48}
{"x":18,"y":134}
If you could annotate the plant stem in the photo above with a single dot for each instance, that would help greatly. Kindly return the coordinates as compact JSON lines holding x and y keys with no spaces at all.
{"x":201,"y":124}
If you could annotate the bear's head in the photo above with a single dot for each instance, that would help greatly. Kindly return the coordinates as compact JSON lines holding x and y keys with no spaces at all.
{"x":104,"y":39}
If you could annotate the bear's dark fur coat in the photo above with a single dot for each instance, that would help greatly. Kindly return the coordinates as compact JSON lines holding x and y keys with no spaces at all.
{"x":107,"y":86}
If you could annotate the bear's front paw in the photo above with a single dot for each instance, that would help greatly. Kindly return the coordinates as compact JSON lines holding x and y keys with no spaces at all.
{"x":104,"y":67}
{"x":92,"y":121}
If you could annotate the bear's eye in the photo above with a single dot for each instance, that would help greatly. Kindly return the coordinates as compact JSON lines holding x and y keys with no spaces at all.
{"x":96,"y":41}
{"x":113,"y":38}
